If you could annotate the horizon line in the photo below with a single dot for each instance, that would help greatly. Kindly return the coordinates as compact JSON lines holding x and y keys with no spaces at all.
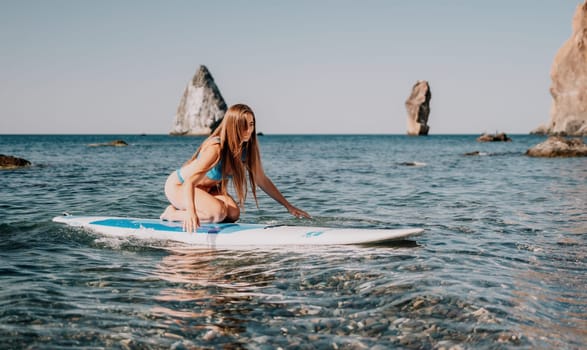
{"x":258,"y":134}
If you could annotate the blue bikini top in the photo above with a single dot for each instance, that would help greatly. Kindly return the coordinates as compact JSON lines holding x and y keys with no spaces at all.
{"x":215,"y":173}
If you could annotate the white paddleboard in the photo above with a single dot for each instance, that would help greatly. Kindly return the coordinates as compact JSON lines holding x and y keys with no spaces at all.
{"x":231,"y":235}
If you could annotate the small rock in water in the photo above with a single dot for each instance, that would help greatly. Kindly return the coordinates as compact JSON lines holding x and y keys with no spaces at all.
{"x":413,"y":164}
{"x":115,"y":143}
{"x":501,"y":137}
{"x":10,"y":162}
{"x":476,"y":153}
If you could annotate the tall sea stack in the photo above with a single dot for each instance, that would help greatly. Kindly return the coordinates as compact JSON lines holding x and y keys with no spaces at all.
{"x":201,"y":107}
{"x":568,"y":114}
{"x":418,"y":106}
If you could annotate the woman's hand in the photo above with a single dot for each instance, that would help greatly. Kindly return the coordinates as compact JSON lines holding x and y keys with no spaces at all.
{"x":191,"y":223}
{"x":298,"y":213}
{"x":267,"y":185}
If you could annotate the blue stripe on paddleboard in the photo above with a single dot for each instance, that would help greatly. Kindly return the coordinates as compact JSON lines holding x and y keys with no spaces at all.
{"x":168,"y":226}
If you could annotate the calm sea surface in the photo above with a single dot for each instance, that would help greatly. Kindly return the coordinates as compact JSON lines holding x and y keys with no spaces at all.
{"x":502,"y":263}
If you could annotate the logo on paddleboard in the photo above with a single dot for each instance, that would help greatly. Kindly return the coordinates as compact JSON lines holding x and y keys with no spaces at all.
{"x":313,"y":234}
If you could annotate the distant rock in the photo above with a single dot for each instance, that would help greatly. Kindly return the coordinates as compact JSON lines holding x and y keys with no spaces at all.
{"x":10,"y":162}
{"x":115,"y":143}
{"x":418,"y":106}
{"x":201,"y":108}
{"x":501,"y":137}
{"x":558,"y":146}
{"x":540,"y":130}
{"x":476,"y":153}
{"x":418,"y":164}
{"x":568,"y":114}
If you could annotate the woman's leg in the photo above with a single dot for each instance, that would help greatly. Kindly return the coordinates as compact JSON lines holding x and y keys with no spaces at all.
{"x":208,"y":207}
{"x":233,"y":212}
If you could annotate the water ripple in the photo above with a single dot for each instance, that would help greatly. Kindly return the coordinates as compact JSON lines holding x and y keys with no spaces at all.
{"x":501,"y":263}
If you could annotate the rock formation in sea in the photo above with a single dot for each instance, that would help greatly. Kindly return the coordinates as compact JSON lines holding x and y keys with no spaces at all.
{"x":497,"y":137}
{"x":11,"y":162}
{"x":201,"y":107}
{"x":557,"y":146}
{"x":418,"y":106}
{"x":568,"y":114}
{"x":115,"y":143}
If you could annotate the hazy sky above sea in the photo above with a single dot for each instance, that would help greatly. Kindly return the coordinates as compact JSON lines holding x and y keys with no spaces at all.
{"x":306,"y":67}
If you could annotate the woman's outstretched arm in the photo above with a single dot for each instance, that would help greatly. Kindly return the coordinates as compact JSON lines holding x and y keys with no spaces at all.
{"x":268,"y":187}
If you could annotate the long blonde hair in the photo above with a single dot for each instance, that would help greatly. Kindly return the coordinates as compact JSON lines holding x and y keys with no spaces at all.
{"x":231,"y":131}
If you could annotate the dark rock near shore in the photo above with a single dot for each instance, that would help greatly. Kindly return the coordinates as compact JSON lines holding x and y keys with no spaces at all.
{"x":418,"y":106}
{"x":557,"y":146}
{"x":501,"y":137}
{"x":10,"y":162}
{"x":115,"y":143}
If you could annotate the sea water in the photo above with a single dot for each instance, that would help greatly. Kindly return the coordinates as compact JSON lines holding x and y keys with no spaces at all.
{"x":502,"y":262}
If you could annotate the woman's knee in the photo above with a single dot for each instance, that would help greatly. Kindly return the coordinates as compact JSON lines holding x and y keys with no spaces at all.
{"x":233,"y":213}
{"x":219,"y":213}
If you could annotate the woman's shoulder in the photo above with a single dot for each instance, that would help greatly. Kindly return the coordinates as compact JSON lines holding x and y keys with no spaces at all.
{"x":213,"y":142}
{"x":214,"y":139}
{"x":211,"y":146}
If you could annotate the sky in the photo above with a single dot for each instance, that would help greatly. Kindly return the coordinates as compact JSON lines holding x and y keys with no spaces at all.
{"x":304,"y":66}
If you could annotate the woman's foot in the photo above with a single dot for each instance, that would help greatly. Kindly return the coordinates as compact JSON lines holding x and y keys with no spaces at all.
{"x":168,"y":214}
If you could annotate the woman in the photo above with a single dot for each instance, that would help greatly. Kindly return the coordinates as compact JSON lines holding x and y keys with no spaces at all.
{"x":197,"y":191}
